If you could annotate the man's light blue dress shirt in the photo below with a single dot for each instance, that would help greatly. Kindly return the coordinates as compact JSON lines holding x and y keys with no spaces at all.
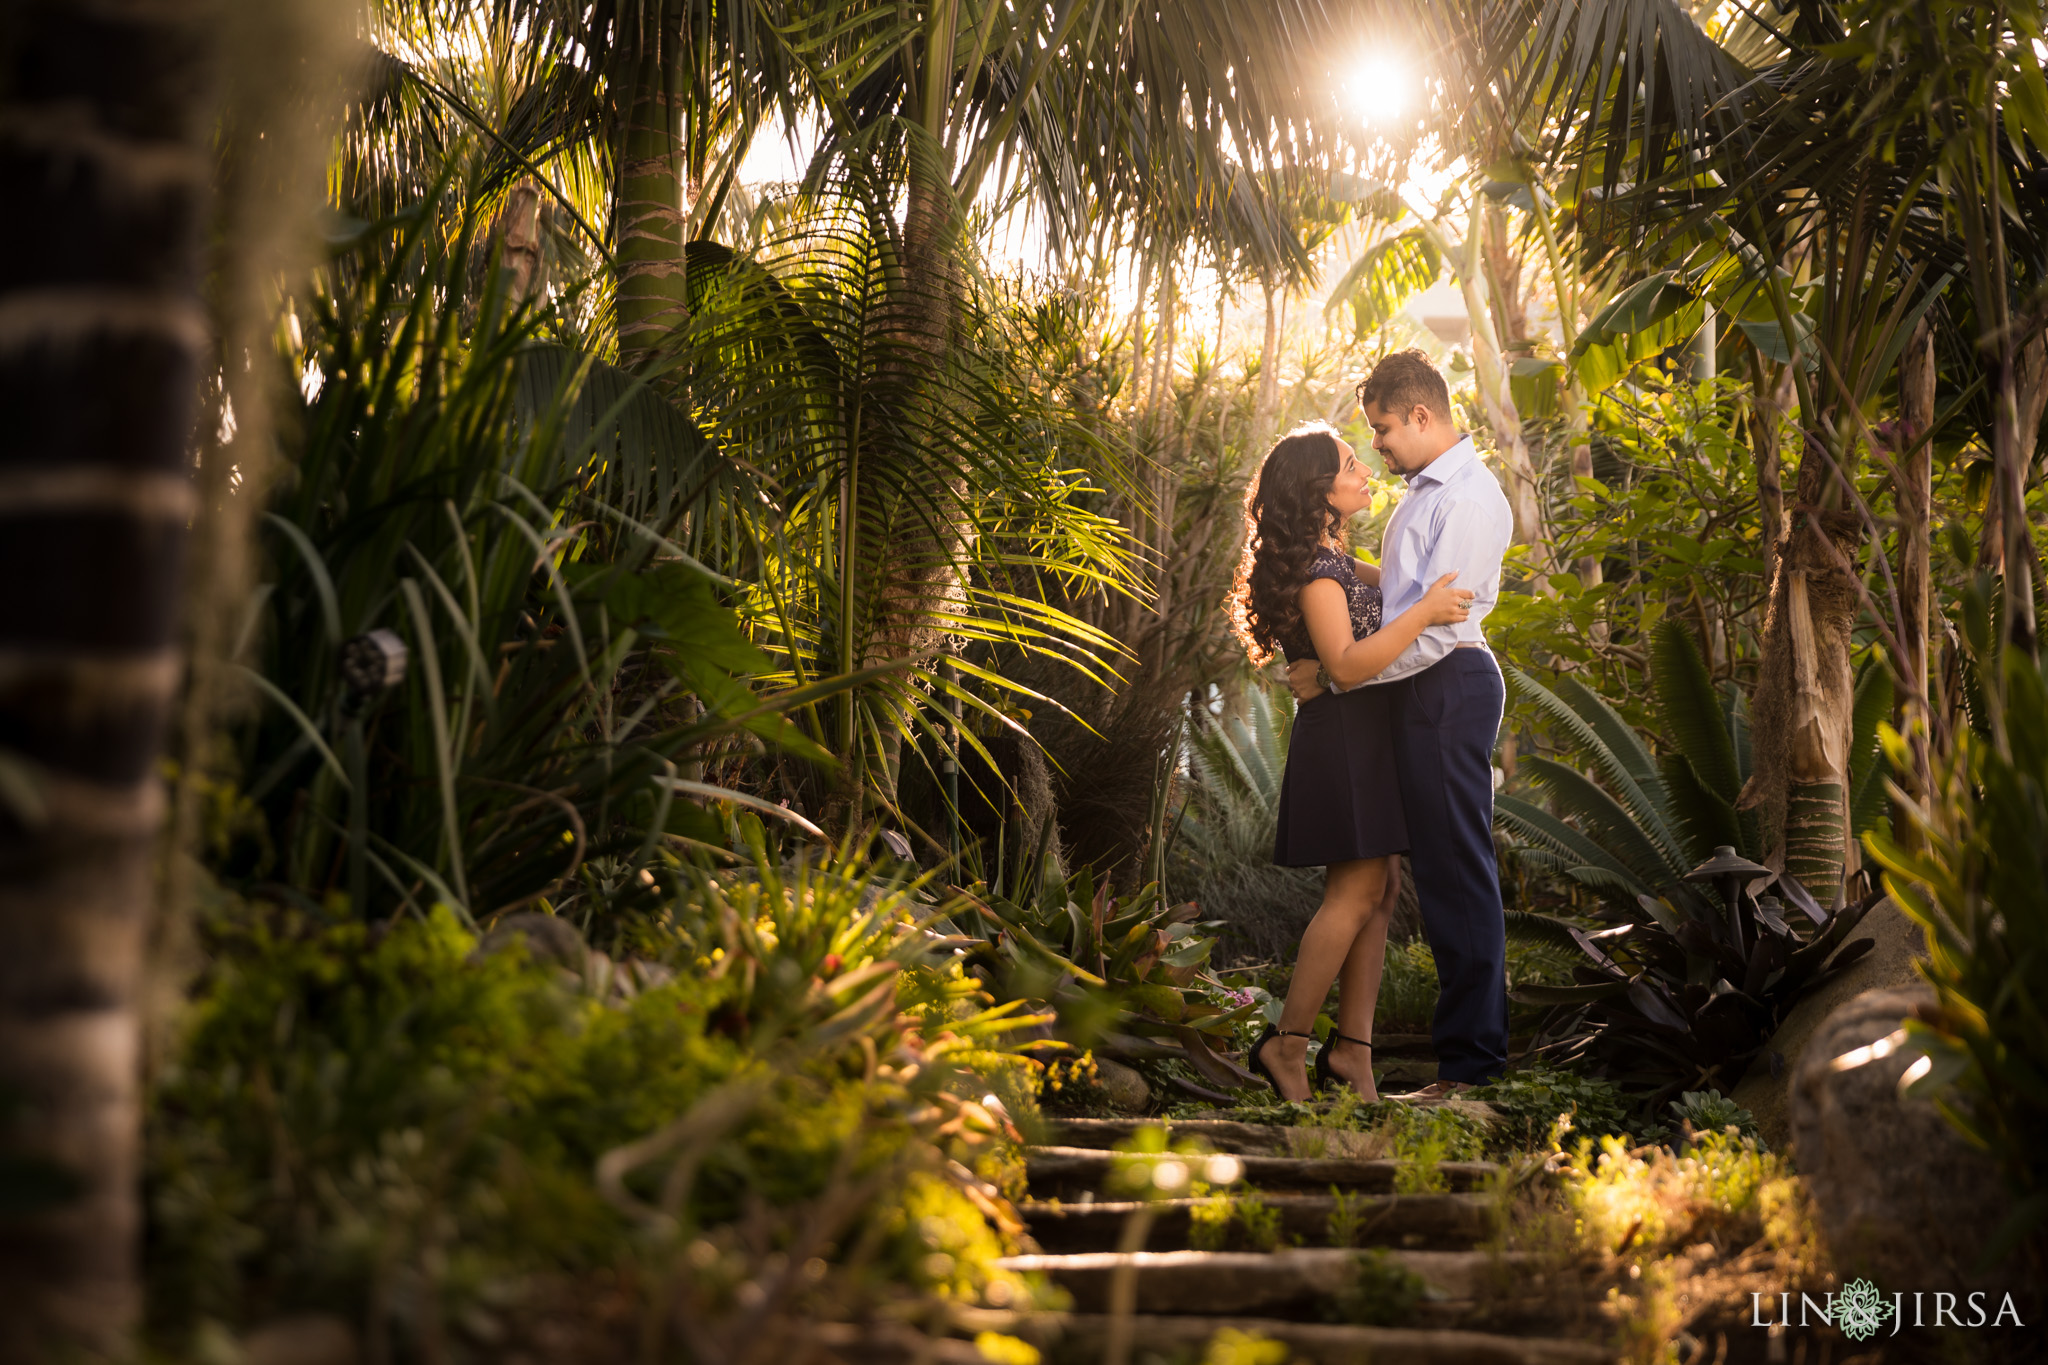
{"x":1454,"y":518}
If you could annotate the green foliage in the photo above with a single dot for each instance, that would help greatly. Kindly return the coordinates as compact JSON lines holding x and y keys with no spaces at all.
{"x":1408,"y":988}
{"x":403,"y":1116}
{"x":1226,"y":834}
{"x":1709,"y":1111}
{"x":1126,"y":976}
{"x":1655,"y":1199}
{"x":1408,"y":983}
{"x":1978,"y":884}
{"x":1424,"y":1137}
{"x":1348,"y":1220}
{"x":1383,"y":1293}
{"x":1670,"y":514}
{"x":1531,"y":1100}
{"x":1209,"y":1224}
{"x":1260,"y":1221}
{"x":1685,"y":989}
{"x":1233,"y":1347}
{"x":549,"y":642}
{"x":1391,"y":271}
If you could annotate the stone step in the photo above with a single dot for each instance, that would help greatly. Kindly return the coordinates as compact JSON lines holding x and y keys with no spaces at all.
{"x":1436,"y":1222}
{"x":1301,"y":1281}
{"x":1080,"y":1337}
{"x":1224,"y":1135}
{"x":1068,"y":1173}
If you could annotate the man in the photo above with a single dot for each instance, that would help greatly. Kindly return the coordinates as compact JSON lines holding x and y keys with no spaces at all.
{"x":1448,"y":711}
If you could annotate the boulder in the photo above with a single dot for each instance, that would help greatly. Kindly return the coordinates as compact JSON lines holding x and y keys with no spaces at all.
{"x":314,"y":1339}
{"x":1121,"y":1087}
{"x":548,"y":938}
{"x":1902,"y":1198}
{"x":1764,"y":1088}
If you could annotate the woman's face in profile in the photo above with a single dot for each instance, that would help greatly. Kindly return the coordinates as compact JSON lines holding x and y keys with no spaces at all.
{"x":1351,"y":491}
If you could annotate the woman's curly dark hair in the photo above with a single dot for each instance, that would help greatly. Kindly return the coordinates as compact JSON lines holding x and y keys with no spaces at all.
{"x":1287,"y":516}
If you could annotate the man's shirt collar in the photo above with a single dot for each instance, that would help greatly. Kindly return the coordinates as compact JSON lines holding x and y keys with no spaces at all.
{"x":1448,"y":465}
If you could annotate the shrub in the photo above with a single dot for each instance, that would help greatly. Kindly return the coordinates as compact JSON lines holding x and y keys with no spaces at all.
{"x":390,"y":1124}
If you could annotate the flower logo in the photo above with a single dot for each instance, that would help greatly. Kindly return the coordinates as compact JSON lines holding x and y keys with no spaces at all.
{"x":1860,"y":1310}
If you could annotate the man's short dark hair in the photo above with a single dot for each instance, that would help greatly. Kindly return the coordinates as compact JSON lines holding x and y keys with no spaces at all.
{"x":1402,"y":382}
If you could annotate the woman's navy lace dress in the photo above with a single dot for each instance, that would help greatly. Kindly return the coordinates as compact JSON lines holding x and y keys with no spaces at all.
{"x":1340,"y":798}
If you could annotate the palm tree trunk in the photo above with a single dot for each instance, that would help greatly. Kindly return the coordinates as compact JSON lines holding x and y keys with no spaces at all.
{"x":105,"y":115}
{"x":1805,"y":696}
{"x":1770,"y":400}
{"x":1913,"y":500}
{"x":647,"y":212}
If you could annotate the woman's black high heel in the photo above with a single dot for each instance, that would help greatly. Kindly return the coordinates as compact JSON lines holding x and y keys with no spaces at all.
{"x":1259,"y":1065}
{"x":1325,"y":1076}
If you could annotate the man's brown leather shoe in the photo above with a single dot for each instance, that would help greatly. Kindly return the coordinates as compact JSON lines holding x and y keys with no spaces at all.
{"x":1432,"y":1093}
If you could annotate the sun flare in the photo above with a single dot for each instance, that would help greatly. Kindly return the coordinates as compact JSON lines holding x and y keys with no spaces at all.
{"x":1379,"y":88}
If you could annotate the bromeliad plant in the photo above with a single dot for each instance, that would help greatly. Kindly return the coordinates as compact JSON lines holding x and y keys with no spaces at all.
{"x":1126,"y":975}
{"x":1684,"y":991}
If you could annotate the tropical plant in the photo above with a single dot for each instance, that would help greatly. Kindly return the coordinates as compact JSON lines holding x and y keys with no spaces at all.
{"x":1970,"y":870}
{"x":423,"y":1132}
{"x":1226,"y":835}
{"x":1820,"y":177}
{"x":1125,"y":975}
{"x":1709,"y":1111}
{"x":1683,"y":990}
{"x":885,"y":468}
{"x":513,"y":735}
{"x":1640,"y":822}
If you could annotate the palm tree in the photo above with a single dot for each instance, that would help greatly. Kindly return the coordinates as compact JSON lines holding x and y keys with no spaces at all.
{"x":1820,"y":176}
{"x":102,"y":341}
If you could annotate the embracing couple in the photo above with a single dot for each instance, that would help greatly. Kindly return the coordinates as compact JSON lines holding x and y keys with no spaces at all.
{"x":1392,"y":751}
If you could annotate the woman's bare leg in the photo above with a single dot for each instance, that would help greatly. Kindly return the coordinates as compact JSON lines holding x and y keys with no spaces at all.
{"x":1352,"y":893}
{"x":1358,"y":989}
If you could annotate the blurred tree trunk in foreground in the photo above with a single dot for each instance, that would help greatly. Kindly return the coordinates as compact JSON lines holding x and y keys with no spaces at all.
{"x":104,"y":111}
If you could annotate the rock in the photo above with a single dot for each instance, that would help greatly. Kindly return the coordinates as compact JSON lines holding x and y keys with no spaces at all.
{"x":1121,"y":1087}
{"x":1902,"y":1198}
{"x":1764,"y":1088}
{"x":314,"y":1339}
{"x":548,"y":938}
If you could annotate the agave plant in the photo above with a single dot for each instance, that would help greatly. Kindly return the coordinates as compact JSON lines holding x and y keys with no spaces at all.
{"x":1687,"y":987}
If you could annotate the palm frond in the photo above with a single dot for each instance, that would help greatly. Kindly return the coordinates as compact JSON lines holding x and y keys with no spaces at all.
{"x":1646,"y":804}
{"x":1691,"y":711}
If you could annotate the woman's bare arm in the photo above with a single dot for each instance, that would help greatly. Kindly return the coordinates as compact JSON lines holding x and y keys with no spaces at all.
{"x":1351,"y":661}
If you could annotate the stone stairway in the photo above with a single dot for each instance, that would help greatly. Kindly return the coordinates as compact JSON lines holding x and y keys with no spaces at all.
{"x":1421,"y":1282}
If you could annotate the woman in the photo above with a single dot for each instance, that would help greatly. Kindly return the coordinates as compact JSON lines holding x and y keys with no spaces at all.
{"x":1299,"y":593}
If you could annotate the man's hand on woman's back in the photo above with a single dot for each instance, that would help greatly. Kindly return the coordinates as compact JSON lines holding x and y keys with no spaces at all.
{"x":1301,"y":679}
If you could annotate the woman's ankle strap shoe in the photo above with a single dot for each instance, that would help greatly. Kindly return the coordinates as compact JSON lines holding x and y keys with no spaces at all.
{"x":1259,"y":1063}
{"x":1326,"y":1076}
